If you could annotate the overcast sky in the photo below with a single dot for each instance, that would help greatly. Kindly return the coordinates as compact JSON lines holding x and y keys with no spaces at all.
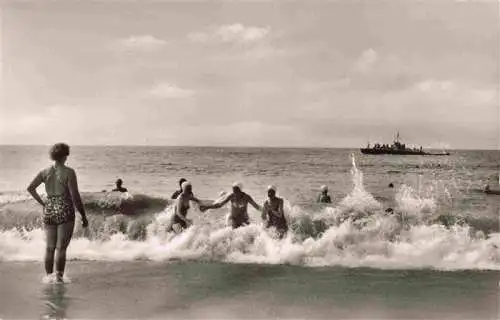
{"x":267,"y":73}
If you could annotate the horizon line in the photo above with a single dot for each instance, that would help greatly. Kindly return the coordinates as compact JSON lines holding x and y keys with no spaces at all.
{"x":230,"y":147}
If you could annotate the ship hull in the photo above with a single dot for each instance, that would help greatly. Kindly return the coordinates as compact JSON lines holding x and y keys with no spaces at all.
{"x":401,"y":152}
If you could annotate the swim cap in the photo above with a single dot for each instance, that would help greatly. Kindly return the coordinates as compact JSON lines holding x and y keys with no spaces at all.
{"x":324,"y":188}
{"x":185,"y":184}
{"x":271,"y":187}
{"x":238,"y":185}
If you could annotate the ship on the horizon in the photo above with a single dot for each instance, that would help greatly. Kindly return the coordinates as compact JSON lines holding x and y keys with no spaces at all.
{"x":398,"y":148}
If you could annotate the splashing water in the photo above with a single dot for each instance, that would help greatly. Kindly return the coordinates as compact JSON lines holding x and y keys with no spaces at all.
{"x":52,"y":279}
{"x":355,"y":233}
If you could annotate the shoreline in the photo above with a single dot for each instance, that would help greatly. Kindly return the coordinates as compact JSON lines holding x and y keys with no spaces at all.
{"x":179,"y":290}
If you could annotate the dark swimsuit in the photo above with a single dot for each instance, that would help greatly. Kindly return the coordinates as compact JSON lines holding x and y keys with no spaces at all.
{"x":278,"y":222}
{"x":178,"y":220}
{"x":240,"y":219}
{"x":324,"y":199}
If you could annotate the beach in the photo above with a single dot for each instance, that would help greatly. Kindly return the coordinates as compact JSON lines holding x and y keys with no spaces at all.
{"x":348,"y":260}
{"x":390,"y":109}
{"x":154,"y":290}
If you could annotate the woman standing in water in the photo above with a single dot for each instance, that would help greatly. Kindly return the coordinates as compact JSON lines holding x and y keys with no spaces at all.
{"x":180,"y":220}
{"x":59,"y":209}
{"x":273,"y":213}
{"x":239,"y":206}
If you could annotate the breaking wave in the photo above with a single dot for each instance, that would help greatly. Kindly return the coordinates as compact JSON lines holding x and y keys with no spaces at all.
{"x":358,"y":232}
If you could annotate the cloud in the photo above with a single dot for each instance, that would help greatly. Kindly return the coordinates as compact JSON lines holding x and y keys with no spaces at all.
{"x":366,"y":60}
{"x":198,"y":37}
{"x":142,"y":42}
{"x":169,"y":91}
{"x":247,"y":133}
{"x":233,"y":33}
{"x":431,"y":86}
{"x":71,"y":123}
{"x":447,"y":90}
{"x":443,"y":101}
{"x":320,"y":87}
{"x":240,"y":33}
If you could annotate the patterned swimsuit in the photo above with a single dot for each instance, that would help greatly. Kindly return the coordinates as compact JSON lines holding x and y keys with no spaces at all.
{"x":58,"y":210}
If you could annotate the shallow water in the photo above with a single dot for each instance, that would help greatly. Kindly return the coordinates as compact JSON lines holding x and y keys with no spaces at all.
{"x":441,"y":222}
{"x":213,"y":290}
{"x":437,"y":257}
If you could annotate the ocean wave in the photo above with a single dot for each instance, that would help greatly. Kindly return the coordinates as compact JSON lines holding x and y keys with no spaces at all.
{"x":19,"y":211}
{"x":374,"y":242}
{"x":357,"y":232}
{"x":12,"y":197}
{"x":124,"y":203}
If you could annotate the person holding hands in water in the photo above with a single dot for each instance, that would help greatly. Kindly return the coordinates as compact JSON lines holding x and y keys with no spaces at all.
{"x":180,"y":221}
{"x":178,"y":192}
{"x":239,"y":206}
{"x":273,"y":213}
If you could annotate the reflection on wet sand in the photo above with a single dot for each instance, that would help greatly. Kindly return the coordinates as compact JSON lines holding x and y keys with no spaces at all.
{"x":55,"y":301}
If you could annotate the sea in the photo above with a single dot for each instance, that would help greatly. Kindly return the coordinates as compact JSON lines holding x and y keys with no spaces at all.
{"x":434,"y":256}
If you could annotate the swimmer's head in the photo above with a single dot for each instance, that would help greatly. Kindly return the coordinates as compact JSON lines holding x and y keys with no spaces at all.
{"x":181,"y":181}
{"x":186,"y":186}
{"x":271,"y":191}
{"x":324,"y":189}
{"x":391,"y":185}
{"x":237,"y":187}
{"x":59,"y":152}
{"x":119,"y":182}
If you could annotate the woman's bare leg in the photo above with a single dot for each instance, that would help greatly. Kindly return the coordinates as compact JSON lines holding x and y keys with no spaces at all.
{"x":50,"y":248}
{"x":64,"y":234}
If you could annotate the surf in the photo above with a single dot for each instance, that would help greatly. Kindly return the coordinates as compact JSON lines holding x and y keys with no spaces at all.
{"x":356,"y":232}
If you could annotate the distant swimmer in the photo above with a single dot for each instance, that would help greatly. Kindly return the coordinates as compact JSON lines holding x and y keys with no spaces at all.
{"x":324,"y":197}
{"x":273,"y":213}
{"x":391,"y":200}
{"x":179,"y":220}
{"x":239,"y":204}
{"x":119,"y":186}
{"x":178,"y":192}
{"x":59,"y":208}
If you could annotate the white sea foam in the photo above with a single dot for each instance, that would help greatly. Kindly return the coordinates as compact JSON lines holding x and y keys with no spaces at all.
{"x":355,"y":233}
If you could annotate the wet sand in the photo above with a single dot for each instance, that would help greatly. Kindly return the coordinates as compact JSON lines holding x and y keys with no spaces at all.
{"x":180,"y":290}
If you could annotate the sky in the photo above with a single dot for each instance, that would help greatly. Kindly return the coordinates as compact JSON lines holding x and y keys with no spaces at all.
{"x":250,"y":73}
